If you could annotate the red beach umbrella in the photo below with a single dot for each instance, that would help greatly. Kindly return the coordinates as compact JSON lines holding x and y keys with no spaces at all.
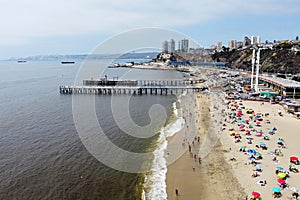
{"x":281,"y":181}
{"x":257,"y":123}
{"x":255,"y":194}
{"x":293,"y":158}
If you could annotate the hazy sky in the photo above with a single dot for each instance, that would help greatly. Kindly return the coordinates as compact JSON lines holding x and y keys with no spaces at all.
{"x":35,"y":27}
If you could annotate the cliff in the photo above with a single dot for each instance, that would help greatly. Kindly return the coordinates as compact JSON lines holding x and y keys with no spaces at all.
{"x":282,"y":58}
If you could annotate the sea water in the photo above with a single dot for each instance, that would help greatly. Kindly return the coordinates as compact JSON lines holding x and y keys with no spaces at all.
{"x":42,"y":156}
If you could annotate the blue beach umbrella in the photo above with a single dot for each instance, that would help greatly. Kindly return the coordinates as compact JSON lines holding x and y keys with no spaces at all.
{"x":279,"y":168}
{"x":279,"y":141}
{"x":258,"y":167}
{"x":251,"y":151}
{"x":276,"y":189}
{"x":262,"y":144}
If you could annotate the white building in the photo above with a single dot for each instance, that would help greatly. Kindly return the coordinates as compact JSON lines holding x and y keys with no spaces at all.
{"x":219,"y":46}
{"x":255,"y":40}
{"x":232,"y":44}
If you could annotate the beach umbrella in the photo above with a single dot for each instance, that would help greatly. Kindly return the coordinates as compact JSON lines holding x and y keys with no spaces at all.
{"x":237,"y":135}
{"x":258,"y":167}
{"x":262,"y":144}
{"x":274,"y":128}
{"x":271,"y":132}
{"x":258,"y":154}
{"x":231,"y":128}
{"x":255,"y":194}
{"x":281,"y":175}
{"x":279,"y":141}
{"x":258,"y":133}
{"x":251,"y":151}
{"x":276,"y":189}
{"x":247,"y":121}
{"x":243,"y":148}
{"x":279,"y":168}
{"x":293,"y":158}
{"x":281,"y":181}
{"x":258,"y":123}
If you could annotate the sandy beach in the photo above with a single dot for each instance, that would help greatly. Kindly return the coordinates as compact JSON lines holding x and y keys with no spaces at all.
{"x":213,"y":178}
{"x":288,"y":129}
{"x":225,"y":172}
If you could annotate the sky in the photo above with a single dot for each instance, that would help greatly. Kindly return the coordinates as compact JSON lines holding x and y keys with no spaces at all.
{"x":43,"y":27}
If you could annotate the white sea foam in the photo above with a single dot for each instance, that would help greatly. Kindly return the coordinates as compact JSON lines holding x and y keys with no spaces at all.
{"x":155,"y":182}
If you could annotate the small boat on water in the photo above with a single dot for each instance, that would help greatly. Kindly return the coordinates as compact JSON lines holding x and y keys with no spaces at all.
{"x":67,"y":62}
{"x":21,"y":61}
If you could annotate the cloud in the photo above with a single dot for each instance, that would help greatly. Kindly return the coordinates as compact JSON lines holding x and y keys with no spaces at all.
{"x":23,"y":21}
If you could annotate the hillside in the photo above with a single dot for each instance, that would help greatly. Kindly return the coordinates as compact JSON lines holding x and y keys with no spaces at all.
{"x":283,"y":58}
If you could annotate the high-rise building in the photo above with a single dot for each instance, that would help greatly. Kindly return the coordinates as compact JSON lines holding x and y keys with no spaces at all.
{"x":232,"y":44}
{"x":184,"y":45}
{"x":219,"y":46}
{"x":165,"y":47}
{"x":246,"y":42}
{"x":171,"y":46}
{"x":255,"y":40}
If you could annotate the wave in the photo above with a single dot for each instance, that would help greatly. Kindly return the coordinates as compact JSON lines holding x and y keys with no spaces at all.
{"x":155,"y":182}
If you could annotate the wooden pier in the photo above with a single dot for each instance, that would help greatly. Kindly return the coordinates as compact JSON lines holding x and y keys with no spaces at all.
{"x":144,"y":87}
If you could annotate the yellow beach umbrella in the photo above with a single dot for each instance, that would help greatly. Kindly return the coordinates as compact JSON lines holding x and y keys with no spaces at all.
{"x":281,"y":175}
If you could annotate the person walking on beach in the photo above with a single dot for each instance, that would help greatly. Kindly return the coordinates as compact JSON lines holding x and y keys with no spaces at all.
{"x":176,"y":192}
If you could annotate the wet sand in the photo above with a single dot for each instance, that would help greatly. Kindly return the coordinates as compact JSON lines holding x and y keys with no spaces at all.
{"x":213,"y":178}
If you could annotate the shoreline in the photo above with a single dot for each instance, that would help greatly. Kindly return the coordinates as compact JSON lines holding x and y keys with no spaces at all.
{"x":194,"y":180}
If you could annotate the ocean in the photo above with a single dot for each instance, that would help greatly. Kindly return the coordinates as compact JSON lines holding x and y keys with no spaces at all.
{"x":42,"y":155}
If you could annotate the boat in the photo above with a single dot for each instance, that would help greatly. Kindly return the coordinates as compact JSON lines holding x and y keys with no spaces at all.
{"x":21,"y":61}
{"x":67,"y":62}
